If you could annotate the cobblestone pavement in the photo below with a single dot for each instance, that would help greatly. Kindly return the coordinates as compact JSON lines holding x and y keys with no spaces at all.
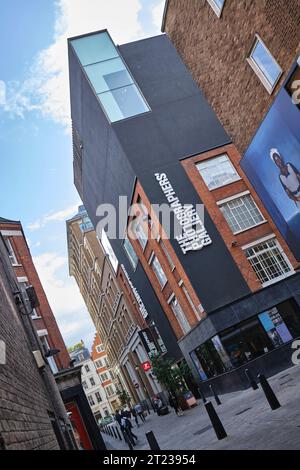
{"x":246,"y":416}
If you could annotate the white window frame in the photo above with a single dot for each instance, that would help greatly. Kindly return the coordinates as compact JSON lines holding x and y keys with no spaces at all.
{"x":181,"y":319}
{"x":215,"y":157}
{"x":152,"y":257}
{"x":218,"y":10}
{"x":286,"y":259}
{"x":142,"y":240}
{"x":12,"y":255}
{"x":166,"y":253}
{"x":99,"y":348}
{"x":238,"y":196}
{"x":191,"y":303}
{"x":133,"y":265}
{"x":258,"y":71}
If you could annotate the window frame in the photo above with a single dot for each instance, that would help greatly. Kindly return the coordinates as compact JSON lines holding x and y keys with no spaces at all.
{"x":215,"y":157}
{"x":134,"y":267}
{"x":151,"y":260}
{"x":256,"y":68}
{"x":223,"y":202}
{"x":218,"y":10}
{"x":11,"y":253}
{"x":282,"y":252}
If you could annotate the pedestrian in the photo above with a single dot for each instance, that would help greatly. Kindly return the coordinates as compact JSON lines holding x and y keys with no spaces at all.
{"x":173,"y":402}
{"x":118,"y":417}
{"x":140,"y":412}
{"x":134,"y":414}
{"x":126,"y":427}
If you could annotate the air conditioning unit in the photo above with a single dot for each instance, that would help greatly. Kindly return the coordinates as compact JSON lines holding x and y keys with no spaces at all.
{"x":39,"y":359}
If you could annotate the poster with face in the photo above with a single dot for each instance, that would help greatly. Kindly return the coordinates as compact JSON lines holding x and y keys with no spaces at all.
{"x":272,"y":164}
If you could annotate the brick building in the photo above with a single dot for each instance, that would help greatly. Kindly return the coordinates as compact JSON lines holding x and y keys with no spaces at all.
{"x":42,"y":316}
{"x":32,"y":413}
{"x":115,"y":311}
{"x":219,"y":39}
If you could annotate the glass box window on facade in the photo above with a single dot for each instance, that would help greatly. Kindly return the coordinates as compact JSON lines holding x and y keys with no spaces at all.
{"x":109,"y":76}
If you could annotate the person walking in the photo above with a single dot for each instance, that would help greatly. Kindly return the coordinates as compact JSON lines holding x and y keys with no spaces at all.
{"x":173,"y":402}
{"x":134,"y":414}
{"x":126,"y":427}
{"x":139,"y":410}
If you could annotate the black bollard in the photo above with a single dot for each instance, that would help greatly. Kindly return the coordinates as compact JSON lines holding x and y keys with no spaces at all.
{"x":268,"y":391}
{"x":114,"y":432}
{"x":202,"y":396}
{"x":152,"y":441}
{"x":251,"y":380}
{"x":218,"y":401}
{"x":119,"y":434}
{"x":215,"y":421}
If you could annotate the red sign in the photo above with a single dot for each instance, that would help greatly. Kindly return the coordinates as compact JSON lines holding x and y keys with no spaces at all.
{"x":146,"y":365}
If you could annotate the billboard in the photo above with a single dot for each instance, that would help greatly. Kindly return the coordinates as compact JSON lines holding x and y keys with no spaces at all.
{"x":272,"y":164}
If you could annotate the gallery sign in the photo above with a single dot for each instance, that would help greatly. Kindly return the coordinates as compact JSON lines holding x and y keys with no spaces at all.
{"x":193,"y":234}
{"x":137,"y":296}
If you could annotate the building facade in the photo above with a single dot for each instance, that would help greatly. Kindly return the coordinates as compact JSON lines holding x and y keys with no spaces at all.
{"x":32,"y":413}
{"x":227,"y":283}
{"x":117,"y":312}
{"x":91,"y":382}
{"x":239,"y":72}
{"x":42,"y":315}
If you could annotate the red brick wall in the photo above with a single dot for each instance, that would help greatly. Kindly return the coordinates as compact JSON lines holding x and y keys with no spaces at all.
{"x":210,"y":198}
{"x":48,"y":321}
{"x":215,"y":50}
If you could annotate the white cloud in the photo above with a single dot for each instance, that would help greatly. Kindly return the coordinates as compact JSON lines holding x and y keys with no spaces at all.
{"x":157,"y":14}
{"x":58,"y":216}
{"x":64,"y":297}
{"x":2,"y":93}
{"x":47,"y":86}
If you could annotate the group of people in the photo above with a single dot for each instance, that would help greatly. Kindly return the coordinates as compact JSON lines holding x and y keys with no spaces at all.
{"x":124,"y":419}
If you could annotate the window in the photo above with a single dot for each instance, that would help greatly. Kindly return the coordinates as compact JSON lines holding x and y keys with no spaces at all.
{"x":85,"y":385}
{"x":268,"y":261}
{"x":80,"y":357}
{"x":91,"y":400}
{"x":167,"y":254}
{"x":87,"y":369}
{"x":264,"y":65}
{"x":140,"y":234}
{"x":195,"y":309}
{"x":99,"y":348}
{"x":106,"y":362}
{"x":110,"y":390}
{"x":104,"y":377}
{"x":99,"y":364}
{"x":158,"y":271}
{"x":112,"y":82}
{"x":130,"y":253}
{"x":92,"y":382}
{"x":217,"y":172}
{"x":241,"y":213}
{"x":11,"y":252}
{"x":98,"y":397}
{"x":217,"y":6}
{"x":112,"y":375}
{"x":179,"y":314}
{"x":50,"y":359}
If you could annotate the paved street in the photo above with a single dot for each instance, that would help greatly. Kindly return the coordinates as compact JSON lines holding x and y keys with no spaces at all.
{"x":246,"y":416}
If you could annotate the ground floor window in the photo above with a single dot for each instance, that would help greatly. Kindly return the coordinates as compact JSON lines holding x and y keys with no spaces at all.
{"x":248,"y":340}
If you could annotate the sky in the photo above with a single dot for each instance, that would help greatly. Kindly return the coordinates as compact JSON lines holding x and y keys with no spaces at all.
{"x":35,"y":140}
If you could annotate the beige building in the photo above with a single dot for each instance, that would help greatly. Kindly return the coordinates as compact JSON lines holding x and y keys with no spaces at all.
{"x":118,"y":316}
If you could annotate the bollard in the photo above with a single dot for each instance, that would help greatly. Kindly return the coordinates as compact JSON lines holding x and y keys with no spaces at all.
{"x":251,"y":380}
{"x":218,"y":401}
{"x":119,"y":434}
{"x":114,"y":432}
{"x":268,"y":391}
{"x":202,"y":396}
{"x":152,"y":441}
{"x":215,"y":421}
